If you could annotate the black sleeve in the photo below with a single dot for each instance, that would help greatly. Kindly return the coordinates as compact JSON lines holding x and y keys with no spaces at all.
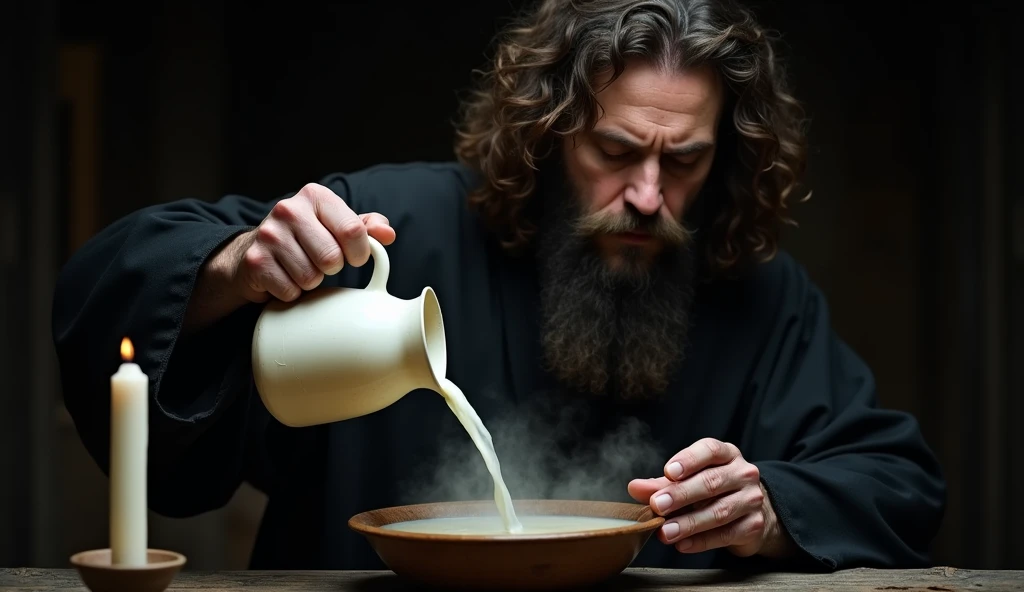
{"x":135,"y":279}
{"x":853,"y":484}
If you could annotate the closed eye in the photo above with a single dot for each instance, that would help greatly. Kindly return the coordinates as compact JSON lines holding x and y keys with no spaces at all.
{"x":681,"y":164}
{"x":616,"y":156}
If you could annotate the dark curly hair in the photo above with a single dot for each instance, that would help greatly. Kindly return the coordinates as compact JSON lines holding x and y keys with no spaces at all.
{"x":539,"y":87}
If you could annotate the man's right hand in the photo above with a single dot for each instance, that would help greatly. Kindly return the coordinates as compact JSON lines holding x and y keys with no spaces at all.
{"x":305,"y":237}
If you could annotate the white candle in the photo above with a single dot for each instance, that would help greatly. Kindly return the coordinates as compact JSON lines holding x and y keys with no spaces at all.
{"x":129,"y":441}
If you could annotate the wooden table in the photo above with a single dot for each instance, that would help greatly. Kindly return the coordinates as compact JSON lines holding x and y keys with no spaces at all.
{"x":940,"y":579}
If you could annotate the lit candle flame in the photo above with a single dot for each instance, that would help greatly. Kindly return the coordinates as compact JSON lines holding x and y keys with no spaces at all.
{"x":127,"y":350}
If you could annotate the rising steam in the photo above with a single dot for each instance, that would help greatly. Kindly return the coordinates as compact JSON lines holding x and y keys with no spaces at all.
{"x":544,"y":454}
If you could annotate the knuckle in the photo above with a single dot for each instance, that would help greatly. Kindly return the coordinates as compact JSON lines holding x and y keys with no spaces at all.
{"x":731,"y":450}
{"x":266,"y":281}
{"x":756,"y":523}
{"x":756,"y":498}
{"x":285,"y":210}
{"x":679,"y":495}
{"x":352,"y":228}
{"x":309,"y":278}
{"x":712,"y":479}
{"x":269,"y":234}
{"x":713,"y":446}
{"x":750,"y":473}
{"x":688,"y":525}
{"x":311,"y":191}
{"x":722,"y":512}
{"x":253,"y":259}
{"x":290,"y":292}
{"x":330,"y":256}
{"x":688,"y":458}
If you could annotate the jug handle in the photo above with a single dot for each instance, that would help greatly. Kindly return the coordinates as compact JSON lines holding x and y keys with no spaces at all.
{"x":381,"y":266}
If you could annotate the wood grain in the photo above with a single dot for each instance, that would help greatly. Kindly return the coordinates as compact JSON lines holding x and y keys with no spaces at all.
{"x":940,"y":579}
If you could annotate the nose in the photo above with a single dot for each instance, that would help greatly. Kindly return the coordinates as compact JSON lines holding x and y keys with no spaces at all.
{"x":644,"y":192}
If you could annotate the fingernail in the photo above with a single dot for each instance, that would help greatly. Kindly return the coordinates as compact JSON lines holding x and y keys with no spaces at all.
{"x":670,"y":530}
{"x":684,"y":544}
{"x":674,"y":470}
{"x":662,"y":502}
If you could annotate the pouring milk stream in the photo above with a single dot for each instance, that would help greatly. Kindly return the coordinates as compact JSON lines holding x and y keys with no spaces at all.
{"x":310,"y":369}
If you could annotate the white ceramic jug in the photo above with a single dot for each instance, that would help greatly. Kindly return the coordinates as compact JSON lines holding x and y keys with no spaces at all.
{"x":338,"y":353}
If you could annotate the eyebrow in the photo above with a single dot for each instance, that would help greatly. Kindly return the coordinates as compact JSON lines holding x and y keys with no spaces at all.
{"x":684,"y":150}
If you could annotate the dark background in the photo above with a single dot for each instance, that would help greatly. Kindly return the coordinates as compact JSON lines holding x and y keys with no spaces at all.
{"x":914,"y":231}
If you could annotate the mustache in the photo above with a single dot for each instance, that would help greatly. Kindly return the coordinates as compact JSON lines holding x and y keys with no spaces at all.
{"x":659,"y":227}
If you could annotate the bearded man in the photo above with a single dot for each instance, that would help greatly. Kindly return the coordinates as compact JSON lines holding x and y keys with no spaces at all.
{"x":606,"y":241}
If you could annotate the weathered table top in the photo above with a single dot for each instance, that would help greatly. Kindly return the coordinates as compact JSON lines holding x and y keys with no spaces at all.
{"x":940,"y":579}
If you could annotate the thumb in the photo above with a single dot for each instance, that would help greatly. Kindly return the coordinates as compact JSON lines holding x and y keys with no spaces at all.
{"x":642,"y":489}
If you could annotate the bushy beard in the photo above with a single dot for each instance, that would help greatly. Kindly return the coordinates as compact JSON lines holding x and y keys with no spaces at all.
{"x":617,"y":331}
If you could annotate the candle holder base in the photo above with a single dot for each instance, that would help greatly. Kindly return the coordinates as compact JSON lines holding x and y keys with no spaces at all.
{"x":99,"y":574}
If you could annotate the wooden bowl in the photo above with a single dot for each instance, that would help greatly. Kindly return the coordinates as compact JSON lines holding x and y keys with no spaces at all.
{"x":99,"y":575}
{"x":534,"y":562}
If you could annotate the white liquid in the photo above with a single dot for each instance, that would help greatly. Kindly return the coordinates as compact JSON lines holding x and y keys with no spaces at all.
{"x":492,"y":525}
{"x":482,"y":438}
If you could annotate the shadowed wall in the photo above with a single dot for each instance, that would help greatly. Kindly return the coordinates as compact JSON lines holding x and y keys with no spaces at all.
{"x":912,"y":231}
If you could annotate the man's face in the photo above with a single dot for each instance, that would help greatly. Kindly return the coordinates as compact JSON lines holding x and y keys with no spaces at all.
{"x":616,"y":262}
{"x":646,"y":159}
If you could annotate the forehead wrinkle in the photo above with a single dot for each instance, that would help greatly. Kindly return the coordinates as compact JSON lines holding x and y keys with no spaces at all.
{"x":690,"y":105}
{"x":664,"y":132}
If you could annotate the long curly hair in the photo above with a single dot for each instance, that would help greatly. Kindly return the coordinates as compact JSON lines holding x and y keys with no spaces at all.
{"x":540,"y":88}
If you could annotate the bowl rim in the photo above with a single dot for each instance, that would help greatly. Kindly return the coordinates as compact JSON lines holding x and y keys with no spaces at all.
{"x":359,"y":524}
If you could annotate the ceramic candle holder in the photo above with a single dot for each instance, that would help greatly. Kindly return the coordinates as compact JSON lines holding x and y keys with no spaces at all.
{"x":100,"y":575}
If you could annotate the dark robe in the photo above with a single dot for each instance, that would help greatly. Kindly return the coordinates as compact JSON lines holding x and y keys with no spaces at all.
{"x":853,"y":484}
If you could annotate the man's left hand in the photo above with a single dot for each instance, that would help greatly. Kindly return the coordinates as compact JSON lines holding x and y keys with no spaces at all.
{"x":711,"y":498}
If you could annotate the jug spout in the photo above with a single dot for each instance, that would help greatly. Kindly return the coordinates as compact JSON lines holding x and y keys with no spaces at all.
{"x":432,"y":335}
{"x":339,"y":353}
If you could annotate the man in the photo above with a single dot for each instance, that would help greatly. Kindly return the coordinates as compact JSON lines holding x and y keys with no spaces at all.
{"x":607,"y":244}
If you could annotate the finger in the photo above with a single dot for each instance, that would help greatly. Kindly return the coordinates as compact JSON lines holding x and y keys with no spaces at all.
{"x":346,"y":227}
{"x":708,"y":483}
{"x":265,"y":275}
{"x":297,"y":217}
{"x":296,"y":262}
{"x":722,"y":511}
{"x":379,"y":227}
{"x":279,"y":238}
{"x":642,"y":489}
{"x":320,"y":246}
{"x":698,"y":456}
{"x":744,"y":534}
